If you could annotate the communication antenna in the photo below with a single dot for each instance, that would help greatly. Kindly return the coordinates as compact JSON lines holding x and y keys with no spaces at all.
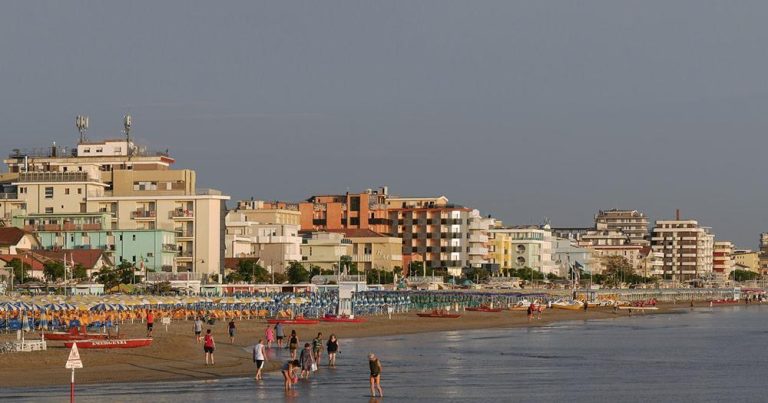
{"x":127,"y":130}
{"x":81,"y":122}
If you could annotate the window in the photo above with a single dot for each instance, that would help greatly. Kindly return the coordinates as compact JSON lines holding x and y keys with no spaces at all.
{"x":49,"y":193}
{"x":49,"y":210}
{"x":86,"y":150}
{"x":134,"y":237}
{"x":99,"y":150}
{"x":79,"y":191}
{"x":66,"y":191}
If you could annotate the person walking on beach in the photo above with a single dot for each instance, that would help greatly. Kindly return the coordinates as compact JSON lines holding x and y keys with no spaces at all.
{"x":279,"y":333}
{"x":307,"y":361}
{"x":293,"y":344}
{"x":150,"y":322}
{"x":530,"y":312}
{"x":270,"y":335}
{"x":375,"y":366}
{"x":208,"y":346}
{"x":586,"y":305}
{"x":198,"y":327}
{"x":317,"y":348}
{"x":539,"y":308}
{"x":333,"y":349}
{"x":259,"y":358}
{"x":232,"y":331}
{"x":289,"y":373}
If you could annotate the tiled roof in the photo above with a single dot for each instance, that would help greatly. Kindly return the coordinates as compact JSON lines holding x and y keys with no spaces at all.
{"x":10,"y":236}
{"x":87,"y":258}
{"x":29,"y":261}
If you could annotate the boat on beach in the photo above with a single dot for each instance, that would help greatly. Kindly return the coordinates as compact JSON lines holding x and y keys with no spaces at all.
{"x":110,"y":343}
{"x":74,"y":334}
{"x":295,"y":321}
{"x":724,"y":301}
{"x":485,"y":309}
{"x":341,"y":319}
{"x":568,"y":305}
{"x":439,"y":314}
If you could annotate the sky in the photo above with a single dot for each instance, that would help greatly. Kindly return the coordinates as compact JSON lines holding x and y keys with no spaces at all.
{"x":525,"y":110}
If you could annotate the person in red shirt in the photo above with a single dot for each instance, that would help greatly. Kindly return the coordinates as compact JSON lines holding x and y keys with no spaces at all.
{"x":150,"y":323}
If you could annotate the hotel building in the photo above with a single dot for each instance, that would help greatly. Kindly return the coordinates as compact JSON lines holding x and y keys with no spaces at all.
{"x":686,"y":248}
{"x":67,"y":190}
{"x":632,"y":223}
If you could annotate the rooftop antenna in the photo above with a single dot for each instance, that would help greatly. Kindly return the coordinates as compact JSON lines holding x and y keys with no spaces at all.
{"x":127,"y":130}
{"x":81,"y":122}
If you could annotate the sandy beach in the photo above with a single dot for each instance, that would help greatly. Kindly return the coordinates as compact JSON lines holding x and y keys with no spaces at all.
{"x":175,"y":355}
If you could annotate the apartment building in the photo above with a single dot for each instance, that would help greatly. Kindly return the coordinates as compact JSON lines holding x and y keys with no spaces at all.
{"x":722,"y":259}
{"x":632,"y":223}
{"x":254,"y":234}
{"x":687,"y":249}
{"x":479,"y":241}
{"x":529,"y":246}
{"x":437,"y":235}
{"x":607,"y":243}
{"x":372,"y":250}
{"x":746,"y":260}
{"x":135,"y":186}
{"x":566,"y":254}
{"x":366,"y":210}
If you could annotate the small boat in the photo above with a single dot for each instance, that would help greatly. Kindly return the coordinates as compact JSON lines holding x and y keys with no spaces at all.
{"x":110,"y":343}
{"x":296,"y":321}
{"x":74,"y":334}
{"x":639,"y":308}
{"x":568,"y":305}
{"x":521,"y":305}
{"x":486,"y":309}
{"x":439,"y":314}
{"x":342,"y":319}
{"x":724,"y":301}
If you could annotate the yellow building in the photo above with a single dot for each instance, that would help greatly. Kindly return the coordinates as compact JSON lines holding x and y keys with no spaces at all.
{"x":368,"y":249}
{"x":747,"y":259}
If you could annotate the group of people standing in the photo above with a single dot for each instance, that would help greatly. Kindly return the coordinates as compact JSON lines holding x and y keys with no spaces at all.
{"x":300,"y":365}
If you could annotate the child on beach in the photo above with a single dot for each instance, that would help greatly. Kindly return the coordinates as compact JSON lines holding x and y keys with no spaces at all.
{"x":307,"y":361}
{"x":270,"y":336}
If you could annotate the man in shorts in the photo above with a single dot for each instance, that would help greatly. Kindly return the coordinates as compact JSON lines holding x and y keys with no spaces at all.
{"x":280,"y":334}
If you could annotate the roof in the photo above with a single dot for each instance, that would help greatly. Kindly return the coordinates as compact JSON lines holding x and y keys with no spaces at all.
{"x":28,"y":261}
{"x":87,"y":258}
{"x":357,"y":233}
{"x":10,"y":236}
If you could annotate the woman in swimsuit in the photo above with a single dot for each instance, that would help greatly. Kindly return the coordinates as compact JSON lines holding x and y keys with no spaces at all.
{"x":375,"y":365}
{"x":293,"y":344}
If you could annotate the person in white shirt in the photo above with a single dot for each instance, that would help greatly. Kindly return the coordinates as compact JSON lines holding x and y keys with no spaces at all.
{"x":259,"y":357}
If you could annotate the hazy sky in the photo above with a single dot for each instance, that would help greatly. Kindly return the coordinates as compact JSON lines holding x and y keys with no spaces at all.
{"x":522,"y":109}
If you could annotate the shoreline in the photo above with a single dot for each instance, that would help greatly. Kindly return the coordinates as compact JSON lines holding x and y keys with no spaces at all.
{"x":175,"y":355}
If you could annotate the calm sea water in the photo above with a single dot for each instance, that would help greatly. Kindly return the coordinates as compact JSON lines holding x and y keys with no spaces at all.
{"x":702,"y":356}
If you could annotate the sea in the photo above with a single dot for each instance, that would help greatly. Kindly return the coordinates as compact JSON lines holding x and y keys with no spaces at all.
{"x":701,"y":355}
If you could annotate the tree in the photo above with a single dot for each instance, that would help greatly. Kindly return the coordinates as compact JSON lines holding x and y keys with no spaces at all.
{"x":348,"y":265}
{"x":280,"y":278}
{"x":53,"y":271}
{"x":20,"y":271}
{"x":743,"y":275}
{"x":111,"y":277}
{"x":79,"y":272}
{"x":297,"y":273}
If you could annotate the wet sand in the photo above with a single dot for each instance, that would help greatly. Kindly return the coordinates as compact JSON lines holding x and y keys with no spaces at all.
{"x":175,"y":355}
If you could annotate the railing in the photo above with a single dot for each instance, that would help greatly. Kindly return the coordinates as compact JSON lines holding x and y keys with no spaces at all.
{"x":181,"y":276}
{"x":144,"y":214}
{"x":9,"y":196}
{"x":169,"y":247}
{"x":184,"y":234}
{"x":185,"y":254}
{"x":63,"y":227}
{"x":178,"y":213}
{"x":54,"y":177}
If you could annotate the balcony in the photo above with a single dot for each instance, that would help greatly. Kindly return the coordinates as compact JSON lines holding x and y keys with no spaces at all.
{"x":169,"y":247}
{"x":55,"y":177}
{"x":362,"y":258}
{"x":180,"y":214}
{"x":478,"y":238}
{"x":144,"y":214}
{"x":184,"y":234}
{"x":67,"y":227}
{"x":478,"y":251}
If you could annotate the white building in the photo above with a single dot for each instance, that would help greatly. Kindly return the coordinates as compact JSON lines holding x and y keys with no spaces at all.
{"x":687,"y":249}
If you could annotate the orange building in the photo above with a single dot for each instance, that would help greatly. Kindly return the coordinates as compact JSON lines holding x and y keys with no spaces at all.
{"x":366,"y":210}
